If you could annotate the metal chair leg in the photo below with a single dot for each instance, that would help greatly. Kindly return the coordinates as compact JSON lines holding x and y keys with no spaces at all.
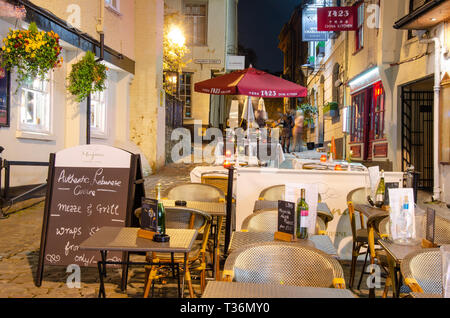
{"x":355,"y":253}
{"x":363,"y":269}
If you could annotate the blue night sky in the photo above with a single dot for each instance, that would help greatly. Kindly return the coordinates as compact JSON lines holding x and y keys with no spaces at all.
{"x":259,"y":24}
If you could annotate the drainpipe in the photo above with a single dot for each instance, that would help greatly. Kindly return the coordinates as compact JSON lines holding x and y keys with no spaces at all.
{"x":437,"y":89}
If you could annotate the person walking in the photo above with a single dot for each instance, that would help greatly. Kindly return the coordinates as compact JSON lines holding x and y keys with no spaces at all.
{"x":286,"y":125}
{"x":297,"y":131}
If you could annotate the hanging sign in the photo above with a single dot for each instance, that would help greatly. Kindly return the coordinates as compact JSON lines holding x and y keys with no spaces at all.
{"x":309,"y":25}
{"x":337,"y":18}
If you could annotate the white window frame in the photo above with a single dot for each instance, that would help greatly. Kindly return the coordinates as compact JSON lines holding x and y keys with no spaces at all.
{"x":109,"y":5}
{"x":193,"y":40}
{"x":39,"y":125}
{"x":99,"y":103}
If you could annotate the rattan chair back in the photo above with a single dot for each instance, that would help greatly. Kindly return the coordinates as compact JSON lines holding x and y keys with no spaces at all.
{"x":283,"y":263}
{"x":267,"y":221}
{"x":185,"y":218}
{"x":273,"y":193}
{"x":423,"y":268}
{"x":441,"y":228}
{"x":196,"y":192}
{"x":357,"y":196}
{"x":276,"y":192}
{"x":217,"y":181}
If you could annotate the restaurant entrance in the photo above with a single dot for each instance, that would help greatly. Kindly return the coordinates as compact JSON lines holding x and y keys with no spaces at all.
{"x":417,"y":130}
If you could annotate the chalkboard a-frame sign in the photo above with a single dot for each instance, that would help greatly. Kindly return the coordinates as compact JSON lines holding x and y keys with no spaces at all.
{"x":89,"y":186}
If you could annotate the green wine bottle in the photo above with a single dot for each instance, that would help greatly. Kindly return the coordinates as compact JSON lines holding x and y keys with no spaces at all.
{"x":379,"y":196}
{"x":161,"y":213}
{"x":302,"y":216}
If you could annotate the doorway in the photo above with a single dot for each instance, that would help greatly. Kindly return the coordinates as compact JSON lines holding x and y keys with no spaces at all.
{"x":417,"y":130}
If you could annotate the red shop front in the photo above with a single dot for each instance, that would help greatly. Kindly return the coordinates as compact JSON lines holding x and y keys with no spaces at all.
{"x":367,"y":137}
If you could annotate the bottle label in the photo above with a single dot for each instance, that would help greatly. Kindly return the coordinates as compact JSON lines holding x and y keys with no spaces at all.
{"x":379,"y":197}
{"x":304,"y":218}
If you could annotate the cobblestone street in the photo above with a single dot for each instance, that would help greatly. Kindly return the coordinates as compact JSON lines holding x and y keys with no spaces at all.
{"x":19,"y":252}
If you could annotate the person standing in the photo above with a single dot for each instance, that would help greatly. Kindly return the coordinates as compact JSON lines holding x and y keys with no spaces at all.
{"x":297,"y":131}
{"x":286,"y":124}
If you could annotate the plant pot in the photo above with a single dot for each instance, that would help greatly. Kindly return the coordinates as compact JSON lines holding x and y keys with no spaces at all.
{"x":310,"y":145}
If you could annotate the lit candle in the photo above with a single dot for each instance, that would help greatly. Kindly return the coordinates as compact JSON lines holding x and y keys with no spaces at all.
{"x":337,"y":167}
{"x":323,"y":158}
{"x":228,"y":154}
{"x":226,"y":164}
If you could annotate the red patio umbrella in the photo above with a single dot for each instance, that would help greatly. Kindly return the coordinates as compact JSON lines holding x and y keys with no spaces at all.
{"x":251,"y":82}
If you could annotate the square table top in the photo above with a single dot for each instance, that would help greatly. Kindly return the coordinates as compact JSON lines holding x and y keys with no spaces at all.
{"x":218,"y":289}
{"x":212,"y":208}
{"x":398,"y":251}
{"x":125,"y":239}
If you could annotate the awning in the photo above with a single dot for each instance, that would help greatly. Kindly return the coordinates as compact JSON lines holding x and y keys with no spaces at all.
{"x":364,"y":80}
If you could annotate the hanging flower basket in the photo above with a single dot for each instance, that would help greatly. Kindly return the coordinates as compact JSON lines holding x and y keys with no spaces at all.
{"x":32,"y":52}
{"x":309,"y":112}
{"x":87,"y":76}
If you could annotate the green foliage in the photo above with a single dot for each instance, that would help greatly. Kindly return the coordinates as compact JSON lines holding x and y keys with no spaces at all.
{"x":309,"y":112}
{"x":330,"y":106}
{"x":87,"y":76}
{"x":173,"y":53}
{"x":32,"y":52}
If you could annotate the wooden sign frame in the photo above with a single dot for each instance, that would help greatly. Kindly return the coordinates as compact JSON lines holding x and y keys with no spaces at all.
{"x":134,"y":194}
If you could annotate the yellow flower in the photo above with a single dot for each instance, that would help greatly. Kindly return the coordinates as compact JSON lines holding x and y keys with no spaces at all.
{"x":33,"y":55}
{"x":14,"y":36}
{"x":8,"y":50}
{"x":3,"y":48}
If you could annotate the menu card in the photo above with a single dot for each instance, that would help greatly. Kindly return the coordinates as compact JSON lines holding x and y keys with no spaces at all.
{"x":149,"y":214}
{"x":286,"y":217}
{"x":445,"y":254}
{"x":292,"y":194}
{"x":401,"y":211}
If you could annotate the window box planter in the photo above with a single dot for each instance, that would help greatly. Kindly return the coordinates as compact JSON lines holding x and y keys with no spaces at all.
{"x":320,"y":49}
{"x":331,"y":109}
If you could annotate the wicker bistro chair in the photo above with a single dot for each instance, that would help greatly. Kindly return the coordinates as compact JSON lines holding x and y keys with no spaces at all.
{"x":422,"y":271}
{"x":196,"y":192}
{"x":283,"y":263}
{"x":441,"y":229}
{"x":183,"y":218}
{"x":275,"y":193}
{"x":267,"y":220}
{"x":360,"y":239}
{"x":217,"y":179}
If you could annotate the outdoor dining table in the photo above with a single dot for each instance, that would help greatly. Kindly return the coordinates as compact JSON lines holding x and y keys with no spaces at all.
{"x":217,"y":210}
{"x":395,"y":252}
{"x":125,"y":239}
{"x":395,"y":255}
{"x":217,"y":289}
{"x":241,"y":239}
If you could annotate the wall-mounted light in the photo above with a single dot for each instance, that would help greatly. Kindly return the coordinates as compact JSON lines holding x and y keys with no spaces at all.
{"x":307,"y":69}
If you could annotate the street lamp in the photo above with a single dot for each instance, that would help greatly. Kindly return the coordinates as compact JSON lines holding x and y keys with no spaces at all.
{"x":307,"y":69}
{"x":176,"y":36}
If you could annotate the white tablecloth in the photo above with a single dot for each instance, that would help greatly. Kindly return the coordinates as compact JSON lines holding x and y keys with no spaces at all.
{"x":196,"y":174}
{"x":274,"y":162}
{"x":298,"y":164}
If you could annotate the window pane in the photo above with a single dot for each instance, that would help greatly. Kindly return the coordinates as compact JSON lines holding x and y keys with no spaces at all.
{"x":196,"y":23}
